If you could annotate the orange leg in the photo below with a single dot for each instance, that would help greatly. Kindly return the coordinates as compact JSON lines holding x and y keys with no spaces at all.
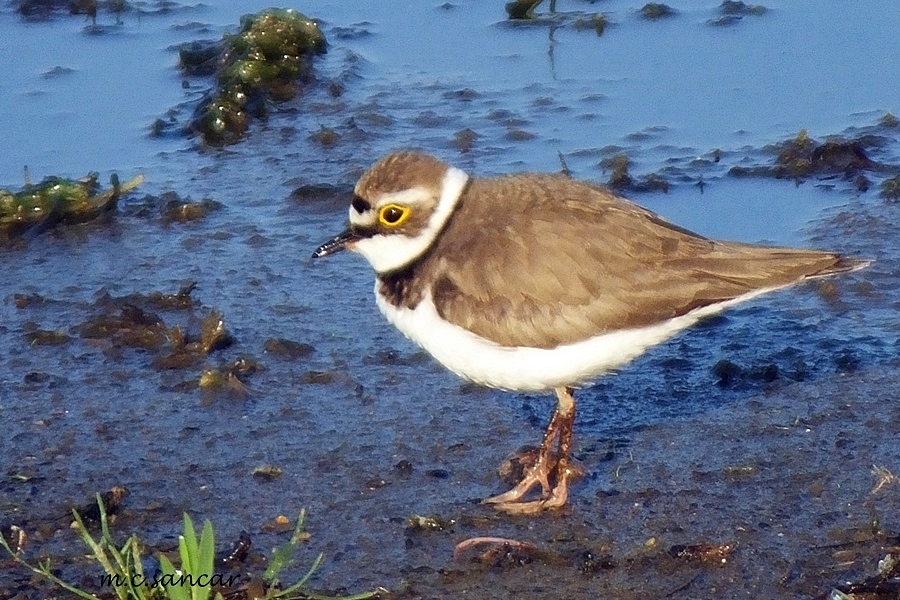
{"x":561,"y":426}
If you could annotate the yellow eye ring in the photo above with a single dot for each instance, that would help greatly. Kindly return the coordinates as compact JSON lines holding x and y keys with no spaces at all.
{"x":393,"y":215}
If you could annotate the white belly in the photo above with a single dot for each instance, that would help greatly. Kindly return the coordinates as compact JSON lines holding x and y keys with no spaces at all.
{"x":534,"y":369}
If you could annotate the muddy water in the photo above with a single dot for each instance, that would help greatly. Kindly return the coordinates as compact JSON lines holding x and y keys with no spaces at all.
{"x":775,"y":458}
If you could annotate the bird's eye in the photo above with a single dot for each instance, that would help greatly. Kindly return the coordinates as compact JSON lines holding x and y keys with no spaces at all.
{"x":393,"y":215}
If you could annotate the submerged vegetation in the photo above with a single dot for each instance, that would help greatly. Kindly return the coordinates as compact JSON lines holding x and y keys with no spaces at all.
{"x":58,"y":200}
{"x":264,"y":62}
{"x":524,"y":10}
{"x":730,"y":12}
{"x":803,"y":157}
{"x":619,"y":178}
{"x":656,"y":10}
{"x":43,"y":8}
{"x":135,"y":322}
{"x":858,"y":159}
{"x":890,"y":188}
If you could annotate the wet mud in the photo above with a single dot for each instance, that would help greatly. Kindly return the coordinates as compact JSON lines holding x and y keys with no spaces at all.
{"x":185,"y":349}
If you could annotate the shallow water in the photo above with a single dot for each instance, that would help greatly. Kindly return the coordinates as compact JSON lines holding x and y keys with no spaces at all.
{"x":659,"y":439}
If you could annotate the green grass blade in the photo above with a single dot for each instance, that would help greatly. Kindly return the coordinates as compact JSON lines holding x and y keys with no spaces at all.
{"x":207,"y":554}
{"x":312,"y":570}
{"x":173,"y":592}
{"x":186,"y":570}
{"x":205,"y":561}
{"x":280,"y":557}
{"x":106,"y":540}
{"x":44,"y":571}
{"x":293,"y":588}
{"x":187,"y":546}
{"x":95,"y":546}
{"x":360,"y":596}
{"x":298,"y":529}
{"x":104,"y":525}
{"x":132,"y":553}
{"x":283,"y":554}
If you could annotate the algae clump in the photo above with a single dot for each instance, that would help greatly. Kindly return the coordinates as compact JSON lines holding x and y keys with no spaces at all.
{"x":264,"y":61}
{"x":58,"y":200}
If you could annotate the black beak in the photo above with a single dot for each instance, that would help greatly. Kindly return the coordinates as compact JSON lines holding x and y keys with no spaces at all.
{"x":336,"y":244}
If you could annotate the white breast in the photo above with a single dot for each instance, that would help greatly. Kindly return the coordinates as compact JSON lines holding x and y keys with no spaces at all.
{"x":534,"y":369}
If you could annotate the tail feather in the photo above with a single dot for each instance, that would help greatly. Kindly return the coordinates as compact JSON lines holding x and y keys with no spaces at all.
{"x":842,"y":264}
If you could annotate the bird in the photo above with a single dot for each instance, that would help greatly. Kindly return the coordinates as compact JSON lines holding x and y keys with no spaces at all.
{"x":539,"y":282}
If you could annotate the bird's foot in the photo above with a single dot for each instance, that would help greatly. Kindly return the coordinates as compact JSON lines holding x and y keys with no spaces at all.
{"x":538,"y":473}
{"x":543,"y":464}
{"x":555,"y":497}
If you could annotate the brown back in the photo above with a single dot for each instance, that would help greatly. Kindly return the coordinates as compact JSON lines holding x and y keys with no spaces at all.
{"x":543,"y":260}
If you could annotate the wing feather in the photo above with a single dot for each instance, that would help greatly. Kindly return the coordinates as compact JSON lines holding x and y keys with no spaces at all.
{"x":542,"y":261}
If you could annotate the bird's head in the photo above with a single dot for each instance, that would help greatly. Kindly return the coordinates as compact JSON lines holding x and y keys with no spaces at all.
{"x":399,"y":207}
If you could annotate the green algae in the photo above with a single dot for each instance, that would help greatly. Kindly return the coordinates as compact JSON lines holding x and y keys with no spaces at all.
{"x":58,"y":200}
{"x":737,"y":7}
{"x":890,"y":189}
{"x":733,"y":11}
{"x":804,"y":157}
{"x":263,"y":62}
{"x":653,"y":11}
{"x":522,"y":9}
{"x":36,"y":10}
{"x":621,"y":180}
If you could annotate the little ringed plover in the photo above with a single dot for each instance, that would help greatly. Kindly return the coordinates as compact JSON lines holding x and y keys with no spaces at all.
{"x":533,"y":282}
